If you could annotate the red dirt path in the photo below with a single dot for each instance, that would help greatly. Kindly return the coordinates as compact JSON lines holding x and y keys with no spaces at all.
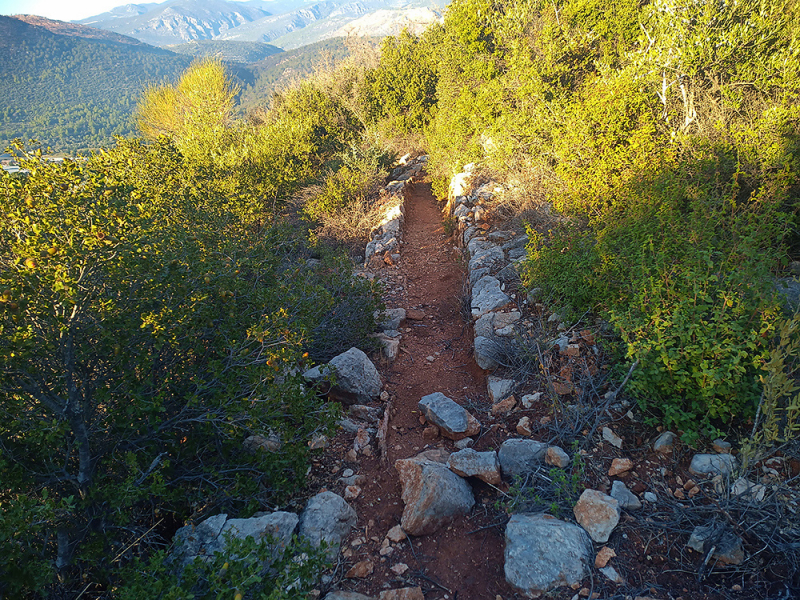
{"x":465,"y":560}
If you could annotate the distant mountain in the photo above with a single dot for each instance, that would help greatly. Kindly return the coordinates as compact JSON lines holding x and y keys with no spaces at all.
{"x":76,"y":30}
{"x":75,"y":89}
{"x":228,"y":51}
{"x":285,"y":23}
{"x":178,"y":21}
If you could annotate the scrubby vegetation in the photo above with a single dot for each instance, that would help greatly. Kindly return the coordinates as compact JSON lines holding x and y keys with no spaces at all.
{"x":157,"y":310}
{"x":664,"y":135}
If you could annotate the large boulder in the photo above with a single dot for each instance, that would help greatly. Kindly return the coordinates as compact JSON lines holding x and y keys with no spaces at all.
{"x":213,"y":534}
{"x":543,"y":553}
{"x":433,"y":495}
{"x":450,"y":417}
{"x":519,"y":457}
{"x":356,"y":379}
{"x":329,"y":518}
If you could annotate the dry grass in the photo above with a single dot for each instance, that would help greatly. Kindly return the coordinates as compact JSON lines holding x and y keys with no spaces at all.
{"x":351,"y":225}
{"x":525,"y":199}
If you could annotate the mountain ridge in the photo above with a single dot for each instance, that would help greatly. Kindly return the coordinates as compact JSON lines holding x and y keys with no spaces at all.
{"x":277,"y":22}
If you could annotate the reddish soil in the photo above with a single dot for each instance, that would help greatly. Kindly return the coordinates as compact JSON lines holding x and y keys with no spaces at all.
{"x":464,"y":560}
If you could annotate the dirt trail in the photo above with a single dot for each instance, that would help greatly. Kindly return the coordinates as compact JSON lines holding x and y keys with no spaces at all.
{"x":465,"y":560}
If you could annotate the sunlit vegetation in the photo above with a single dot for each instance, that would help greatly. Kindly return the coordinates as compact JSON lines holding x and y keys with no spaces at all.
{"x":157,"y":310}
{"x":665,"y":135}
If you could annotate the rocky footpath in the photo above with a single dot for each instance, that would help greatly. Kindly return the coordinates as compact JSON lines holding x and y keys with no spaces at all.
{"x":425,"y":463}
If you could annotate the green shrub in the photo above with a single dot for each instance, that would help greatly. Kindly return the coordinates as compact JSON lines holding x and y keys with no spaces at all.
{"x":147,"y":329}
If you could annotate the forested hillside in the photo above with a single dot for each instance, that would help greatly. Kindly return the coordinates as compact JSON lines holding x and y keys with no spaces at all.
{"x":71,"y":92}
{"x":238,"y":52}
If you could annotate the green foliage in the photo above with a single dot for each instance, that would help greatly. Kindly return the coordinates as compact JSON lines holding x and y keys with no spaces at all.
{"x":665,"y":135}
{"x":72,"y":93}
{"x":777,"y":421}
{"x":248,"y":569}
{"x":193,"y":113}
{"x":402,"y":90}
{"x":147,"y":327}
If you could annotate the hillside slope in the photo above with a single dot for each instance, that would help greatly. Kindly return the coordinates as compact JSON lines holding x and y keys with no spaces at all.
{"x":73,"y":92}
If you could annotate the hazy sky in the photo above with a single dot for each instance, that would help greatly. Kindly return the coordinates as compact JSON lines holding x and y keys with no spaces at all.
{"x":63,"y":10}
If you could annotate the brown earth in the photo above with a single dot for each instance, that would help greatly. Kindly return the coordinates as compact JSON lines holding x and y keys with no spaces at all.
{"x":464,"y":560}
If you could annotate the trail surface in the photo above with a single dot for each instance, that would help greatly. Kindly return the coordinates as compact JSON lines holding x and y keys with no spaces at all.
{"x":465,"y":560}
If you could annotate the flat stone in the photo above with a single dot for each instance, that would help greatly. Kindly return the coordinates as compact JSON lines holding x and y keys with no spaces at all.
{"x":491,"y":259}
{"x":390,"y":346}
{"x":650,"y":497}
{"x":505,"y":406}
{"x":619,"y":466}
{"x":727,"y":545}
{"x":351,"y":492}
{"x":712,"y":464}
{"x":433,"y":495}
{"x":503,"y":320}
{"x":327,"y":517}
{"x":365,"y":413}
{"x":469,"y":463}
{"x":524,"y":427}
{"x":747,"y":490}
{"x":518,"y":456}
{"x":612,"y":575}
{"x":543,"y":553}
{"x":604,"y":555}
{"x":450,"y":417}
{"x":391,"y":318}
{"x":399,"y":568}
{"x":484,"y":325}
{"x":270,"y":443}
{"x":626,"y":498}
{"x":347,"y":596}
{"x":487,"y":296}
{"x":360,"y":570}
{"x":556,"y":457}
{"x":396,"y":534}
{"x":721,"y":446}
{"x":499,"y":388}
{"x":530,"y":400}
{"x":598,"y":514}
{"x":665,"y":442}
{"x":211,"y":535}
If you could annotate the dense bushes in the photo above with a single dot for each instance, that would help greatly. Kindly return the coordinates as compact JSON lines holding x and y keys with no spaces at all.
{"x":155,"y":312}
{"x":666,"y":135}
